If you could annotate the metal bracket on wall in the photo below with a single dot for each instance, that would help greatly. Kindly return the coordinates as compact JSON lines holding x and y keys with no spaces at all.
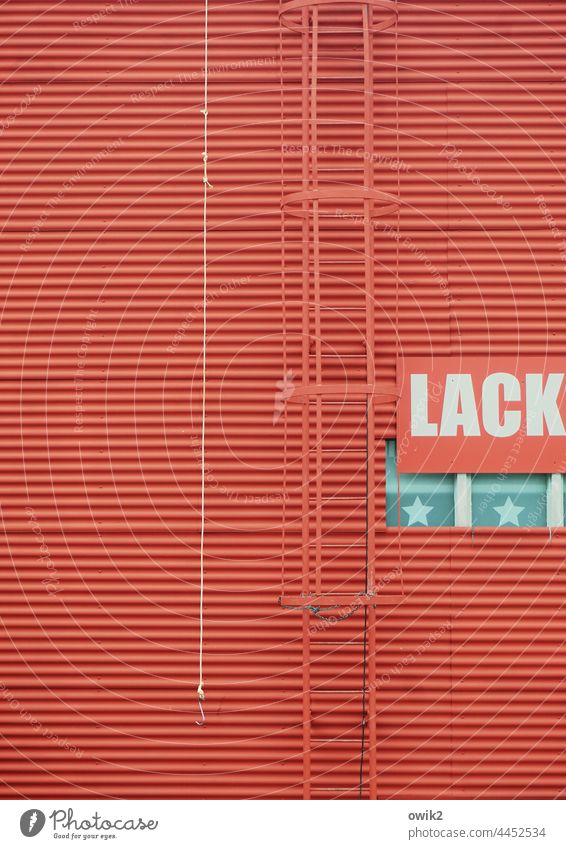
{"x":333,"y":600}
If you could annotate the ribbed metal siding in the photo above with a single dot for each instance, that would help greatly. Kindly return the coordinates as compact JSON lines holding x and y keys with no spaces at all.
{"x":109,"y":662}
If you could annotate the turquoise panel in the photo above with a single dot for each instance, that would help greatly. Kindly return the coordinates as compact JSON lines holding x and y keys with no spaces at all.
{"x":509,"y":500}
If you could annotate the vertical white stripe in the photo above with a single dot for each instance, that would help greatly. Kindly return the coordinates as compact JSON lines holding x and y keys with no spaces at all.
{"x":463,"y":501}
{"x":555,"y":501}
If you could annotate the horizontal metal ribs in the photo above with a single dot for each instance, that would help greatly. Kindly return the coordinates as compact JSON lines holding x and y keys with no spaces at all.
{"x":338,"y":372}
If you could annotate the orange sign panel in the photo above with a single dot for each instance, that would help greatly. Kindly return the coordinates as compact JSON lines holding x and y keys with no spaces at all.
{"x":492,"y":414}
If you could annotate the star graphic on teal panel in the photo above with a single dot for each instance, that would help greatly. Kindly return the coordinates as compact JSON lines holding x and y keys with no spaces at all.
{"x":508,"y":513}
{"x":418,"y":512}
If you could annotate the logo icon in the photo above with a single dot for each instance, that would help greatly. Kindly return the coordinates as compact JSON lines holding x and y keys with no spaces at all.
{"x":285,"y":389}
{"x":32,"y":822}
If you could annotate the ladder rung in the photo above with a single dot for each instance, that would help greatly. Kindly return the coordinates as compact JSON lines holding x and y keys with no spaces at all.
{"x":343,"y":740}
{"x":342,"y":692}
{"x":339,"y":262}
{"x":332,"y":122}
{"x":339,"y":498}
{"x":337,"y":450}
{"x":318,"y":790}
{"x":344,"y":79}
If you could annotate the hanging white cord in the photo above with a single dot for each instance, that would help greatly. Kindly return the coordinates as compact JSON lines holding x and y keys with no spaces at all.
{"x":206,"y":187}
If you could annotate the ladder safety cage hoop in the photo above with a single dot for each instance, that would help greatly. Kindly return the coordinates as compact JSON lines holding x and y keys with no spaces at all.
{"x":290,"y":11}
{"x":383,"y":203}
{"x":339,"y":391}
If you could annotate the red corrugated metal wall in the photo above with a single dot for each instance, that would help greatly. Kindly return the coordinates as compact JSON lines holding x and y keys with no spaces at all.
{"x":100,"y":151}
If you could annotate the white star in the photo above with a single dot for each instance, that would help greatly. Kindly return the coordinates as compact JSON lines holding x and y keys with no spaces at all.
{"x":508,"y":513}
{"x":418,"y":512}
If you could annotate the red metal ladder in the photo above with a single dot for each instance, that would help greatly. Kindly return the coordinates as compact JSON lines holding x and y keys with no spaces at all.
{"x":342,"y":380}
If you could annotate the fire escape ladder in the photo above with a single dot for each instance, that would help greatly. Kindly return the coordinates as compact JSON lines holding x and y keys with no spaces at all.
{"x":336,"y":195}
